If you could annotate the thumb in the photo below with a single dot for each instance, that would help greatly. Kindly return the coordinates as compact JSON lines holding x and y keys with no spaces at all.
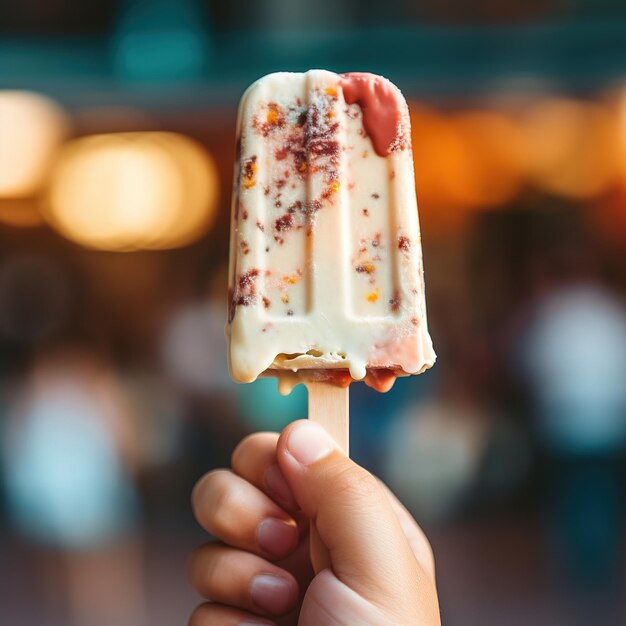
{"x":353,"y":516}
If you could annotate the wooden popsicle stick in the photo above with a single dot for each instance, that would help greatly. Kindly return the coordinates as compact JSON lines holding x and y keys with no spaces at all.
{"x":329,"y":407}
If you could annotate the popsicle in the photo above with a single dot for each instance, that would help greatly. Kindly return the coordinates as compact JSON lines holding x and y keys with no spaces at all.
{"x":325,"y":281}
{"x":326,"y":276}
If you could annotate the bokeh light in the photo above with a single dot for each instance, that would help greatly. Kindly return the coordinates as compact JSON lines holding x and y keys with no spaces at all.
{"x":571,"y":147}
{"x":464,"y":161}
{"x":491,"y":173}
{"x":32,"y":128}
{"x":621,"y":135}
{"x":132,"y":191}
{"x":439,"y":153}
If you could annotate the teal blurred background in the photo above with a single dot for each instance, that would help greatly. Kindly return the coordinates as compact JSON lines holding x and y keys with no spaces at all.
{"x":116,"y":148}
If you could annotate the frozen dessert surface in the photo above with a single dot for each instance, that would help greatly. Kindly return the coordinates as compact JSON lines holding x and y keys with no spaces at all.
{"x":326,"y":279}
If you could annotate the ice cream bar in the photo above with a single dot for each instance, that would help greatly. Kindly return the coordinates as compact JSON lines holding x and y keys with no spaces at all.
{"x":326,"y":276}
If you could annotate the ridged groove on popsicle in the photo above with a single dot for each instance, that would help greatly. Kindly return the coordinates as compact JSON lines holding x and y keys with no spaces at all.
{"x":397,"y":302}
{"x":310,"y":240}
{"x":255,"y":198}
{"x":371,"y":246}
{"x":328,"y":229}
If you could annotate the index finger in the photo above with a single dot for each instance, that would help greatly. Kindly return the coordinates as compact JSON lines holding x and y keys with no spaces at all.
{"x":254,"y":459}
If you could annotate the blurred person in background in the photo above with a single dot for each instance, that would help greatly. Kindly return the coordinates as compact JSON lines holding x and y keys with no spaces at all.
{"x":574,"y":357}
{"x":69,"y":459}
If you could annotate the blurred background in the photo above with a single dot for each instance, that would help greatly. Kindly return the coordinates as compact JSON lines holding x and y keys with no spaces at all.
{"x":116,"y":148}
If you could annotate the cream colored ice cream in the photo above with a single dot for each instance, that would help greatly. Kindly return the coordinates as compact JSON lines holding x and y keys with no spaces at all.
{"x":326,"y":278}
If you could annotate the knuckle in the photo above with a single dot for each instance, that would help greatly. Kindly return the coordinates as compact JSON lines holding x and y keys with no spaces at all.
{"x":211,"y":578}
{"x":200,"y":616}
{"x":221,"y":515}
{"x":204,"y":567}
{"x":192,"y":560}
{"x":212,"y":497}
{"x":253,"y":445}
{"x":242,"y":446}
{"x":203,"y":488}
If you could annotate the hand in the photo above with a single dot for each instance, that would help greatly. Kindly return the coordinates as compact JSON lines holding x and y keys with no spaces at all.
{"x":382,"y":569}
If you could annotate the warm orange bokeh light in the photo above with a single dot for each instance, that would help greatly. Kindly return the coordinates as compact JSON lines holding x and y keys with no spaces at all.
{"x":620,"y":110}
{"x":32,"y":128}
{"x":571,"y":147}
{"x":464,"y":161}
{"x":131,"y":191}
{"x":200,"y":184}
{"x":493,"y":170}
{"x":439,"y":155}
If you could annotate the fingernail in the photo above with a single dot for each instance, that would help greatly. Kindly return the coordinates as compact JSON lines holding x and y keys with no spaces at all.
{"x":276,"y":536}
{"x":277,"y":484}
{"x":274,"y":594}
{"x":309,"y":442}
